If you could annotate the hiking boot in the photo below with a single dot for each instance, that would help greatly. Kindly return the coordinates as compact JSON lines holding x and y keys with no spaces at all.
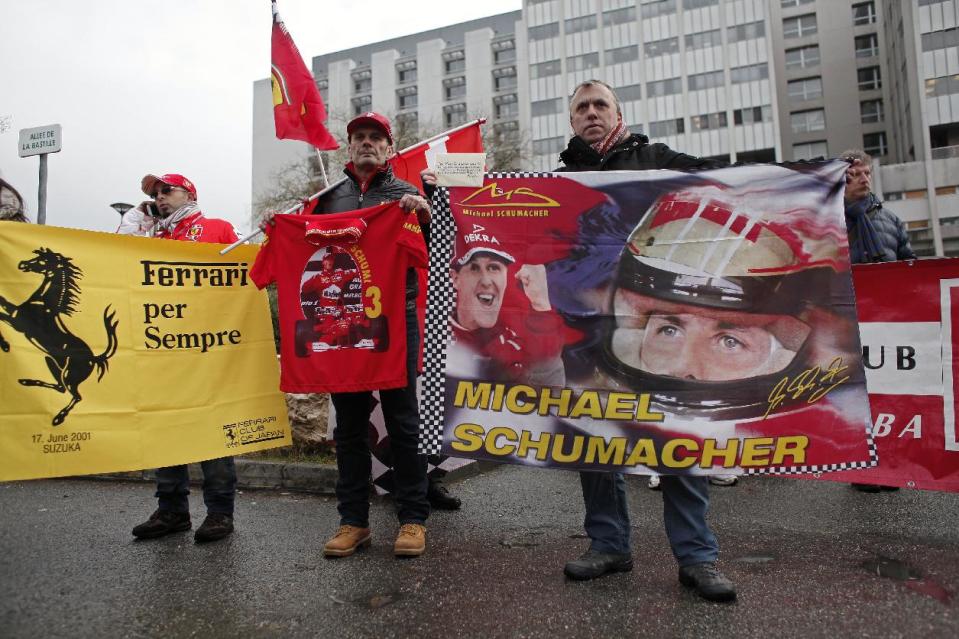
{"x":709,"y":583}
{"x":441,"y":499}
{"x":162,"y":522}
{"x":346,"y":540}
{"x":411,"y":541}
{"x":215,"y":526}
{"x":723,"y":480}
{"x":593,"y":564}
{"x":654,"y":483}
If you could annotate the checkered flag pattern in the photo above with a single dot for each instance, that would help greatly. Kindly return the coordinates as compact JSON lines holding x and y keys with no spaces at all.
{"x":440,"y":299}
{"x":825,"y":468}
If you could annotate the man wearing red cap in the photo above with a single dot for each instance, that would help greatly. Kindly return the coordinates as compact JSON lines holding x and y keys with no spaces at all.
{"x":173,"y":214}
{"x":370,"y":182}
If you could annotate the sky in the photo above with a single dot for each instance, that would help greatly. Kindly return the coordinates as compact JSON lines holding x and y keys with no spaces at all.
{"x":164,"y":87}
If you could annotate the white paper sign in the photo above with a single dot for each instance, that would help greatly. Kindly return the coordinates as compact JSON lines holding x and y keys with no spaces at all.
{"x":460,"y":169}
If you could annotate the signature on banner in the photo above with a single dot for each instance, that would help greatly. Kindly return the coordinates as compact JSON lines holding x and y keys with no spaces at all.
{"x":814,"y":381}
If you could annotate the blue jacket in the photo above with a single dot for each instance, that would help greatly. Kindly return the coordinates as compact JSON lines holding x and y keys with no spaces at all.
{"x":890,"y":231}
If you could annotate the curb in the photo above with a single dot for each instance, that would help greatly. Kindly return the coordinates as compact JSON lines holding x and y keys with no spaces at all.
{"x":265,"y":475}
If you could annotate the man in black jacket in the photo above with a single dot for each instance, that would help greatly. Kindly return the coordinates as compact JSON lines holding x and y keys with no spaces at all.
{"x":371,"y":182}
{"x":602,"y":142}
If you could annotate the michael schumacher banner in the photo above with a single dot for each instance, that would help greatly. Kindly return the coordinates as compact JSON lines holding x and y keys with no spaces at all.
{"x":647,"y":322}
{"x":124,"y":353}
{"x":909,"y":323}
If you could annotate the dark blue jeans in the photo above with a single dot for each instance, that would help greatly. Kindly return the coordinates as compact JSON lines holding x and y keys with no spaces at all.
{"x":685,"y":504}
{"x":353,"y":457}
{"x":219,"y":486}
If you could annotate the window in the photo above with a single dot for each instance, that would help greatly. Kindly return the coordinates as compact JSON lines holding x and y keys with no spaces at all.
{"x":631,"y":92}
{"x":361,"y":104}
{"x":544,"y":69}
{"x":749,"y":73}
{"x":665,"y":128}
{"x":455,"y":66}
{"x":800,"y":26}
{"x":867,"y":46}
{"x":503,"y":56}
{"x":504,"y":82}
{"x":945,"y":85}
{"x":696,"y":4}
{"x":807,"y":121}
{"x":803,"y":57}
{"x":871,"y":111}
{"x":749,"y":31}
{"x":507,"y":109}
{"x":869,"y":78}
{"x":752,"y":115}
{"x":454,"y":114}
{"x":544,"y":31}
{"x":636,"y":129}
{"x":705,"y":80}
{"x":548,"y":146}
{"x":708,"y":121}
{"x":875,"y":143}
{"x":619,"y":16}
{"x":408,"y":121}
{"x":406,"y":98}
{"x":653,"y":8}
{"x":864,"y":13}
{"x":788,"y":4}
{"x":662,"y":47}
{"x":704,"y":39}
{"x":582,"y":23}
{"x":622,"y":54}
{"x":582,"y":62}
{"x":454,"y":88}
{"x":547,"y":107}
{"x":805,"y":89}
{"x":664,"y":87}
{"x":810,"y":150}
{"x":362,"y":85}
{"x":940,"y":39}
{"x":405,"y":76}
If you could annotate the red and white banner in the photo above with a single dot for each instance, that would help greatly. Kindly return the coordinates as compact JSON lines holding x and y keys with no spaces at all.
{"x":909,"y":325}
{"x":408,"y":164}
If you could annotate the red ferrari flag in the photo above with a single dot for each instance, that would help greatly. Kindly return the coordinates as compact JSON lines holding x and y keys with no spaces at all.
{"x":409,"y":162}
{"x":298,"y":110}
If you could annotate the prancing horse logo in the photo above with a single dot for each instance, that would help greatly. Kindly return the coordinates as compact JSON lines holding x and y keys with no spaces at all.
{"x":68,"y":357}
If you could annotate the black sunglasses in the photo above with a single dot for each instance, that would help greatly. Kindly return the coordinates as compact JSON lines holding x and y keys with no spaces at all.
{"x":166,"y":189}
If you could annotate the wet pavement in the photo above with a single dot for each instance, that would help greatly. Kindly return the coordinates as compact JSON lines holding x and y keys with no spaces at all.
{"x":810,"y":559}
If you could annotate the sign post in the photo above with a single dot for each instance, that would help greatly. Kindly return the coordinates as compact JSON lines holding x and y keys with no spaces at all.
{"x":40,"y":141}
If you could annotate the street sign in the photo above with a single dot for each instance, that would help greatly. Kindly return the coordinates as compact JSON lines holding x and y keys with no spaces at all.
{"x":40,"y":140}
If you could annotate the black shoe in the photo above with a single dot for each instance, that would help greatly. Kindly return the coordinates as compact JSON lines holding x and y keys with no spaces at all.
{"x":215,"y":526}
{"x":709,"y":583}
{"x":867,"y":488}
{"x":441,"y":499}
{"x":162,"y":522}
{"x":595,"y":564}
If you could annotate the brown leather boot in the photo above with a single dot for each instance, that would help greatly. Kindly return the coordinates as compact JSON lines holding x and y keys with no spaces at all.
{"x":411,"y":541}
{"x":346,"y":540}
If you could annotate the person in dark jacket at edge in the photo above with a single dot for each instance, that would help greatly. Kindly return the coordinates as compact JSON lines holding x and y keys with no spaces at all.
{"x":602,"y":142}
{"x":370,"y":182}
{"x":876,"y":234}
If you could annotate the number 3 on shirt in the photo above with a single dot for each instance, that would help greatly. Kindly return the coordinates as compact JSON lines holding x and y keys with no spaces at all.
{"x":376,"y":309}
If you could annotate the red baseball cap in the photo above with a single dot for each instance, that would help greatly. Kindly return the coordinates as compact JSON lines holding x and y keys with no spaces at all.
{"x":478,"y":241}
{"x":149,"y":183}
{"x":374,"y":120}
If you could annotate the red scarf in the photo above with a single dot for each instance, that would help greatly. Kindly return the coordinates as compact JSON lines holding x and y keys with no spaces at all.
{"x":615,"y":137}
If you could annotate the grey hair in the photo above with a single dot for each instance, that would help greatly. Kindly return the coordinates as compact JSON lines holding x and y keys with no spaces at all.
{"x":589,"y":83}
{"x":857,"y":154}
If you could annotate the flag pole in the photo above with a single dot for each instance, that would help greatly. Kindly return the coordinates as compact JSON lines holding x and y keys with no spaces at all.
{"x":302,"y":205}
{"x":319,"y":156}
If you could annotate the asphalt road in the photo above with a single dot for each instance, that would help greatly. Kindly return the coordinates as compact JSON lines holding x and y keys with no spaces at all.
{"x":810,"y":559}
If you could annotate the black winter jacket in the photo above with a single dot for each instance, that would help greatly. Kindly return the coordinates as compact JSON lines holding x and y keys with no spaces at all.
{"x":635,"y":153}
{"x":890,"y":231}
{"x":384,"y":187}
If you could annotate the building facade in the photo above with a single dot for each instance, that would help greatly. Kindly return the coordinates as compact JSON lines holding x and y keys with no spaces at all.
{"x":742,"y":80}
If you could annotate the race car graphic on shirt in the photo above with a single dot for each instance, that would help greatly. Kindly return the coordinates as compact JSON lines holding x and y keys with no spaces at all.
{"x":340,"y":308}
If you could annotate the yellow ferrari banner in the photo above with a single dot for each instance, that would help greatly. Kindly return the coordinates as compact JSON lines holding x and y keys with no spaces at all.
{"x":124,"y":353}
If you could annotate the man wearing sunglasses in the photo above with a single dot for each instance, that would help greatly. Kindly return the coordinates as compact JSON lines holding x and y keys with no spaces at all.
{"x":173,"y":214}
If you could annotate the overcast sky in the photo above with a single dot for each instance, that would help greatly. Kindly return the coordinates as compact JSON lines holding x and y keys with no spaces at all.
{"x":164,"y":87}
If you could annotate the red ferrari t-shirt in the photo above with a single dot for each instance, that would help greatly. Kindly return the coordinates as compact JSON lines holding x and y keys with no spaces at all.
{"x":341,"y":289}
